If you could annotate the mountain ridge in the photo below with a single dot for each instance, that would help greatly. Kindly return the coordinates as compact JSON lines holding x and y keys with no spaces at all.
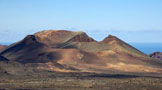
{"x":68,"y":51}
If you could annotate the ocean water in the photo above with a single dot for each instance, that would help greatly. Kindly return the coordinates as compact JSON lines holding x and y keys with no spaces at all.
{"x":146,"y":48}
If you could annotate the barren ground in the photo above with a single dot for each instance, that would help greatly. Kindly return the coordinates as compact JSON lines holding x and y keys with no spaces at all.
{"x":84,"y":83}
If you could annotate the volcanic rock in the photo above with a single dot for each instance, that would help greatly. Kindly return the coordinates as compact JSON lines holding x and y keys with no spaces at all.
{"x":3,"y":58}
{"x":156,"y":55}
{"x":2,"y":47}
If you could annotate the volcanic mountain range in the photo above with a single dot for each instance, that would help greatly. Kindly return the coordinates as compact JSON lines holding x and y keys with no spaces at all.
{"x":67,"y":51}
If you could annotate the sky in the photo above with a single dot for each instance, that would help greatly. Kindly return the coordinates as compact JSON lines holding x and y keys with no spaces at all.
{"x":138,"y":21}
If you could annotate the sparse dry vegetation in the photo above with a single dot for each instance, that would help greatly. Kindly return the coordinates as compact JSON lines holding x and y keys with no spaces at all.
{"x":74,"y":83}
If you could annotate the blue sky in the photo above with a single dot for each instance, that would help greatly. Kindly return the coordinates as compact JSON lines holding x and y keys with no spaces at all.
{"x":130,"y":20}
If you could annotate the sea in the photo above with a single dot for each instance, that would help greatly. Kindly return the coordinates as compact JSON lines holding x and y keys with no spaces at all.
{"x":146,"y":48}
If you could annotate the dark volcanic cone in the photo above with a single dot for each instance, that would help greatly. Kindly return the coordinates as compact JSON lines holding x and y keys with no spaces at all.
{"x":24,"y":49}
{"x":120,"y":46}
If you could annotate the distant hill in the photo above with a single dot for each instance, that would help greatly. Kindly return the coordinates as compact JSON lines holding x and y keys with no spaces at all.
{"x":156,"y":55}
{"x":67,"y":51}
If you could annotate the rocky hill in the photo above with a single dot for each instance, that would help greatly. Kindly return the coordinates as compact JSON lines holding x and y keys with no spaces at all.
{"x":156,"y":55}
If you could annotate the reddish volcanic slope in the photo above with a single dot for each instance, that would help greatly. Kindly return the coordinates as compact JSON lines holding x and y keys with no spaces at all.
{"x":67,"y":51}
{"x":2,"y":47}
